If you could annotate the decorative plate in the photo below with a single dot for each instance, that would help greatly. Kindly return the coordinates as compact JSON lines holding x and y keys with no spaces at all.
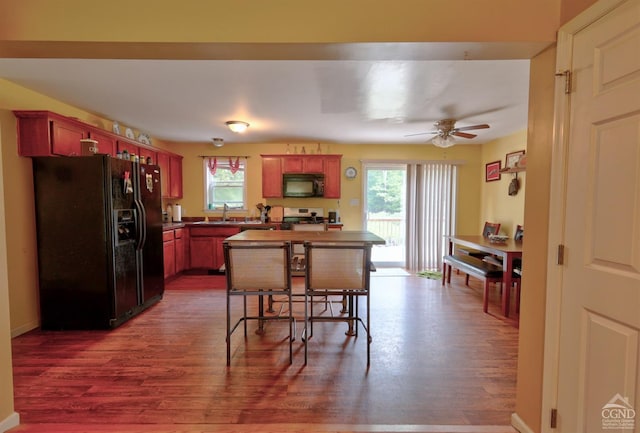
{"x":350,"y":172}
{"x":129,"y":133}
{"x":144,"y":138}
{"x":116,"y":128}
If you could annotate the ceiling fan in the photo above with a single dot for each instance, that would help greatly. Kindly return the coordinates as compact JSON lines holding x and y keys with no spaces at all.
{"x":446,"y":130}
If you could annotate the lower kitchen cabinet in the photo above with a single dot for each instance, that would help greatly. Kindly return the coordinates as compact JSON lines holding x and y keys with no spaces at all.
{"x":205,"y":246}
{"x":174,"y":250}
{"x":169,"y":253}
{"x":179,"y":250}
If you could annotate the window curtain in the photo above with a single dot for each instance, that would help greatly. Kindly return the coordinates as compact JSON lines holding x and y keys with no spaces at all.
{"x":431,"y":191}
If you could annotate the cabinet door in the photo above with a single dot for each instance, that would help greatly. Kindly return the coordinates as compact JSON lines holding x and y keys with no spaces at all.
{"x":219,"y":252}
{"x":175,"y":176}
{"x":313,"y":164}
{"x":168,"y":248}
{"x":271,"y":177}
{"x":203,"y":253}
{"x":106,"y":143}
{"x":65,"y":139}
{"x":163,"y":163}
{"x":179,"y":247}
{"x":148,"y":153}
{"x":292,"y":164}
{"x":332,"y":177}
{"x":129,"y":147}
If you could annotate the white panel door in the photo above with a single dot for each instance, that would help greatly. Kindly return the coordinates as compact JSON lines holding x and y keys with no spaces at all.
{"x":599,"y":365}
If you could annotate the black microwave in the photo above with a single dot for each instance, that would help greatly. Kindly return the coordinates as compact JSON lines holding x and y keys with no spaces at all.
{"x":303,"y":185}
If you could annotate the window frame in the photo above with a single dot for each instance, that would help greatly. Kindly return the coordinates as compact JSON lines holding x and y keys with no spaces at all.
{"x":223,"y":162}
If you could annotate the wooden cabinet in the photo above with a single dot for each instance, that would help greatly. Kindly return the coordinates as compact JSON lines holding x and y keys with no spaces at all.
{"x":148,"y":153}
{"x":205,"y":246}
{"x":65,"y":138}
{"x":179,"y":250}
{"x":271,"y":176}
{"x":332,"y":176}
{"x":106,"y":142}
{"x":174,"y":251}
{"x":131,"y":148}
{"x":274,"y":166}
{"x":175,"y":178}
{"x":170,"y":174}
{"x":43,"y":133}
{"x":169,"y":254}
{"x":303,"y":164}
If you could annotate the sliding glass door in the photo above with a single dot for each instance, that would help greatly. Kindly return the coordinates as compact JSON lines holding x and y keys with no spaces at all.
{"x":385,"y":211}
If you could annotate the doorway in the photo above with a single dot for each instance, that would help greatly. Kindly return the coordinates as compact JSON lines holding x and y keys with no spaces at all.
{"x":384,"y":195}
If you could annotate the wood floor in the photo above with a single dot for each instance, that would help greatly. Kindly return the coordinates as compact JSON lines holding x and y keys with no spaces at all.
{"x":438,"y":364}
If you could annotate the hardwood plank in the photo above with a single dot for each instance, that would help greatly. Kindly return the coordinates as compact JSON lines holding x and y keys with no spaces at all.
{"x":438,"y":362}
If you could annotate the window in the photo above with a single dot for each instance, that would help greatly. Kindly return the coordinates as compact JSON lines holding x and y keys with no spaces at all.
{"x":224,"y":183}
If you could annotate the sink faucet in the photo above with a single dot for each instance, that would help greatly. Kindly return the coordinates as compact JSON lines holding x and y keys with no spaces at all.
{"x":225,"y":208}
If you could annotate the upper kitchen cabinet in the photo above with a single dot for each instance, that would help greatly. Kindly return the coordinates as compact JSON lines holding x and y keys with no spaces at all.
{"x":170,"y":174}
{"x":42,"y":133}
{"x":303,"y":164}
{"x":332,"y":173}
{"x":271,"y":176}
{"x":274,"y":166}
{"x":106,"y":142}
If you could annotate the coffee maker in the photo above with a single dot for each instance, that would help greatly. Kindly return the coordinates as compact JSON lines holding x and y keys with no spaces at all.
{"x":333,"y":216}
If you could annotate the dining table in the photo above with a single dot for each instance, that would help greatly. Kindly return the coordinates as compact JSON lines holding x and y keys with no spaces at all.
{"x":507,"y":250}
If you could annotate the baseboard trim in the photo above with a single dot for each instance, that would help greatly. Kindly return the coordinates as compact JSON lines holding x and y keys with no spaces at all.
{"x":9,"y":422}
{"x":520,"y":425}
{"x":24,"y":329}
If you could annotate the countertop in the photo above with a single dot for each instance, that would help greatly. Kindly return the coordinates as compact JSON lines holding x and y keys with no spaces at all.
{"x":256,"y":224}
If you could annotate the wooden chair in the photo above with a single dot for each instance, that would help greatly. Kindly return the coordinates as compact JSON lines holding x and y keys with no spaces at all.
{"x":517,"y":265}
{"x":258,"y":270}
{"x":488,"y":230}
{"x":338,"y":269}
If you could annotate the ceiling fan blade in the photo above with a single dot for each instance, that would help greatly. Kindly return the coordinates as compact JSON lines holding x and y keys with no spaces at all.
{"x":464,"y":134}
{"x":468,"y":128}
{"x":422,"y":133}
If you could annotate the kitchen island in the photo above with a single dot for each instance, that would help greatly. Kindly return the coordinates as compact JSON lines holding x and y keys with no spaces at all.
{"x":304,"y":236}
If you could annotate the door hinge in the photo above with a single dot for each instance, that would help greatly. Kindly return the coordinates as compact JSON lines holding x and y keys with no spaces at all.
{"x":567,"y":80}
{"x":554,"y":418}
{"x":560,"y":257}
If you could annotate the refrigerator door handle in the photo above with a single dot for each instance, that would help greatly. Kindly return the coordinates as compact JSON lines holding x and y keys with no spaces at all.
{"x":142,"y":224}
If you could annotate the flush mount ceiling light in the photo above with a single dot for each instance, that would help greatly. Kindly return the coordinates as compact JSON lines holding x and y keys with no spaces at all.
{"x":443,"y":141}
{"x":218,"y":142}
{"x":237,"y":125}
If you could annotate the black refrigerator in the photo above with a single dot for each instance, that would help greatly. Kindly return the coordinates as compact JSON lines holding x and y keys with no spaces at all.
{"x":99,"y":233}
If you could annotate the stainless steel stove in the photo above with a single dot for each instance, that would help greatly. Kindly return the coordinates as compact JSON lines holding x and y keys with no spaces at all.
{"x":299,"y":215}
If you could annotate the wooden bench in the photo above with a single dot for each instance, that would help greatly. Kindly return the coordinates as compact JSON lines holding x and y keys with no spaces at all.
{"x":486,"y":272}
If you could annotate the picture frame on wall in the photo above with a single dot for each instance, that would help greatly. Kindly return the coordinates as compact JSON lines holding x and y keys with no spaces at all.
{"x":511,"y":160}
{"x":492,"y":171}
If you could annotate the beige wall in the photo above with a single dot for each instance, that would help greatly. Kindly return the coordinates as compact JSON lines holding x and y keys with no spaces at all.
{"x":386,"y":20}
{"x":351,"y":190}
{"x":250,"y":21}
{"x":496,"y":203}
{"x":6,"y":372}
{"x":532,"y":311}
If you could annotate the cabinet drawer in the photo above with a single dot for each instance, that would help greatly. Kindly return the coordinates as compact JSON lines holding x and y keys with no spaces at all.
{"x":167,"y":235}
{"x":214,"y":231}
{"x":178,"y":233}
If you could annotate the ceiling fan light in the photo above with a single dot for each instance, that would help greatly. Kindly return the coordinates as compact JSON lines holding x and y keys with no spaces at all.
{"x":218,"y":142}
{"x":444,"y":142}
{"x":237,"y":125}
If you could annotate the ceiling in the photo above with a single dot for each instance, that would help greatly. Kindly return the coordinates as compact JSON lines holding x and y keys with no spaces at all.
{"x":288,"y":101}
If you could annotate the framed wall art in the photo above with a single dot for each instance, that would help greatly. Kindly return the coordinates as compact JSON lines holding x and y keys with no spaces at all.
{"x":492,"y":171}
{"x":511,"y":161}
